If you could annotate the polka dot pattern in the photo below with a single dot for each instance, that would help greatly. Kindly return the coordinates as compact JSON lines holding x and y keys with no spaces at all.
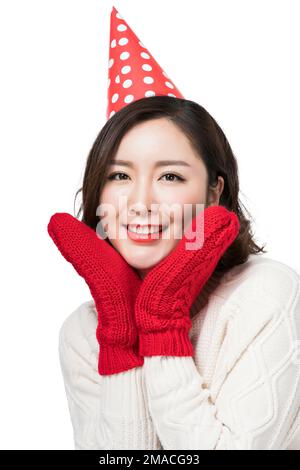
{"x":148,"y":80}
{"x":124,"y":55}
{"x":123,"y":41}
{"x":126,"y":69}
{"x":127,"y":83}
{"x":169,"y":85}
{"x":121,"y":27}
{"x":128,"y":98}
{"x":150,"y":93}
{"x":133,"y":73}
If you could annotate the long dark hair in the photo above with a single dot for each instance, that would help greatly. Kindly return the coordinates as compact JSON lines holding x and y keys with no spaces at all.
{"x":208,"y":140}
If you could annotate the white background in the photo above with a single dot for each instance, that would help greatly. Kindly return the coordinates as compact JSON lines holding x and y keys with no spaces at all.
{"x":240,"y":60}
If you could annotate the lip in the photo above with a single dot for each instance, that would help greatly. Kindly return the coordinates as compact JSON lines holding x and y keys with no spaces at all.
{"x":145,"y":238}
{"x":146,"y":225}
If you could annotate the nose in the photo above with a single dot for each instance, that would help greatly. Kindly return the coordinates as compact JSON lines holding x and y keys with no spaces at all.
{"x":141,"y":199}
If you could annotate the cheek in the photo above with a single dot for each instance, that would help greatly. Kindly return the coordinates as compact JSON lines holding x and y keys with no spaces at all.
{"x":110,"y":201}
{"x":107,"y":210}
{"x":195,"y":193}
{"x":184,"y":200}
{"x":191,"y":192}
{"x":109,"y":196}
{"x":116,"y":199}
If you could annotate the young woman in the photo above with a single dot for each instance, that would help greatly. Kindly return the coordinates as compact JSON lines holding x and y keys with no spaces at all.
{"x":180,"y":347}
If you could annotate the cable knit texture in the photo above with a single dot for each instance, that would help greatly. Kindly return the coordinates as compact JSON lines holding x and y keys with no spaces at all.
{"x":241,"y":390}
{"x":162,"y":307}
{"x":113,"y":284}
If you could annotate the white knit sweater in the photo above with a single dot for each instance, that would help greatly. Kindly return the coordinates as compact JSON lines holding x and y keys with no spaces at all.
{"x":241,"y":390}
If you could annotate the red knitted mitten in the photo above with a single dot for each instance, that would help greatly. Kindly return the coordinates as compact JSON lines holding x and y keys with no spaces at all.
{"x":113,"y":284}
{"x":162,"y":307}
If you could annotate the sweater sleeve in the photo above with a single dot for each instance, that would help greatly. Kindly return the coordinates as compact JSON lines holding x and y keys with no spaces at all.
{"x":259,"y":400}
{"x":107,"y":412}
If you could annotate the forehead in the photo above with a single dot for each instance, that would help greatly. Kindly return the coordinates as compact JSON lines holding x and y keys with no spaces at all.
{"x":156,"y":139}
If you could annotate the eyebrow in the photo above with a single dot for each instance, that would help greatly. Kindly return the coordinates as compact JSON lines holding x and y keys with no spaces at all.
{"x":157,"y":164}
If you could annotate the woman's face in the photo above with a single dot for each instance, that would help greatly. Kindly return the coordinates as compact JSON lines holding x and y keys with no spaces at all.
{"x":154,"y":169}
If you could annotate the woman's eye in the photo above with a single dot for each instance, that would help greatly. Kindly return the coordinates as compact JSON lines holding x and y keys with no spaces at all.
{"x":176,"y":176}
{"x":112,"y":177}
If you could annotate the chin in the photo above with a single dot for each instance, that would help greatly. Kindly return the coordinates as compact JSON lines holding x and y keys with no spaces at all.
{"x":143,"y":258}
{"x":141,"y":265}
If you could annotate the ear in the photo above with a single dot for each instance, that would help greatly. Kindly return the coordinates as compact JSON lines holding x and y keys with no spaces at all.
{"x":214,"y":192}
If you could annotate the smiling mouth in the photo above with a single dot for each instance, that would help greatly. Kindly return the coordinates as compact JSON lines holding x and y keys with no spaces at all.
{"x":145,"y":229}
{"x":145,"y":236}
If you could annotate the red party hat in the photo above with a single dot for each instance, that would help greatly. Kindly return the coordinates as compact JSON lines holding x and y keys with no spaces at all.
{"x":133,"y":73}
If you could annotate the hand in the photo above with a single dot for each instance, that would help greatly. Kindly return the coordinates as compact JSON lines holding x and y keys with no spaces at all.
{"x":162,"y":307}
{"x":113,"y":284}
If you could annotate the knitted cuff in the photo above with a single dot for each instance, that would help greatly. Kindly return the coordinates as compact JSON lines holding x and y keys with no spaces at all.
{"x":115,"y":359}
{"x":165,"y":343}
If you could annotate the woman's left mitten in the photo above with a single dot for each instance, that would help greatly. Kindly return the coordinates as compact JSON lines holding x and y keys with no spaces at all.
{"x":162,"y":308}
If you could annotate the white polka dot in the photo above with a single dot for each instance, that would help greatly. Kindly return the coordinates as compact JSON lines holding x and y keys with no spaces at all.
{"x":123,"y":41}
{"x":171,"y":94}
{"x":126,"y":69}
{"x":164,"y":73}
{"x":108,"y":83}
{"x":117,"y":79}
{"x":150,"y":93}
{"x":141,"y":44}
{"x":146,"y":67}
{"x":119,"y":16}
{"x":110,"y":63}
{"x":112,"y":113}
{"x":169,"y":85}
{"x":113,"y":43}
{"x":115,"y":98}
{"x":121,"y":27}
{"x":127,"y":83}
{"x":124,"y":55}
{"x":148,"y":80}
{"x":128,"y":98}
{"x":145,"y":55}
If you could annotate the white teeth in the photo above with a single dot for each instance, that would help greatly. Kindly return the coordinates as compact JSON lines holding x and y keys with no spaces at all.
{"x":143,"y":230}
